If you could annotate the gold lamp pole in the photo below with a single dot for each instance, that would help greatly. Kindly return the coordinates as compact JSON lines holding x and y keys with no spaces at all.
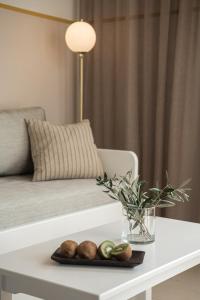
{"x":80,"y":37}
{"x":81,"y":65}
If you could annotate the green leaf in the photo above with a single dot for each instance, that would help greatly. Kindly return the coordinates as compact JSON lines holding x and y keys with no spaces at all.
{"x":168,"y":189}
{"x":155,"y":190}
{"x":132,"y":194}
{"x":185,"y":182}
{"x":165,"y":203}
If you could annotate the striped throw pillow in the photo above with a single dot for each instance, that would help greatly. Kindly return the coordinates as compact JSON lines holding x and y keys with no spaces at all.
{"x":60,"y":152}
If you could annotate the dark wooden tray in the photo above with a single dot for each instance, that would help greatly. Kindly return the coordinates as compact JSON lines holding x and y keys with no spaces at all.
{"x":136,"y":259}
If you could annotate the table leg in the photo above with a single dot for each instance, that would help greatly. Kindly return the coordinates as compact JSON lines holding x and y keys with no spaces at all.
{"x":147,"y":295}
{"x":5,"y":295}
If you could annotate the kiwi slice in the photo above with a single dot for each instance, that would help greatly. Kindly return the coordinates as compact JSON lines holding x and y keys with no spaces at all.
{"x":119,"y":249}
{"x":122,"y":252}
{"x":106,"y":248}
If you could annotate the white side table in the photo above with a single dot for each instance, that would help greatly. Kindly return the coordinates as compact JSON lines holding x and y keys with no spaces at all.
{"x":30,"y":270}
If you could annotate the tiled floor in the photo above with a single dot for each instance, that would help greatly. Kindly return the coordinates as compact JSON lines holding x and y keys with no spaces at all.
{"x":185,"y":286}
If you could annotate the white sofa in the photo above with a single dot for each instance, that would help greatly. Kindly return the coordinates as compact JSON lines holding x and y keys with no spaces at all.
{"x":33,"y":212}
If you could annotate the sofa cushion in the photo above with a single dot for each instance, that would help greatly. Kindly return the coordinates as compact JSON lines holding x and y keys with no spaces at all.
{"x":64,"y":151}
{"x":15,"y":155}
{"x":23,"y":201}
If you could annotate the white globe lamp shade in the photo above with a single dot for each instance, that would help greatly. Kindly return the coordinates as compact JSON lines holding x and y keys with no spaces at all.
{"x":80,"y":37}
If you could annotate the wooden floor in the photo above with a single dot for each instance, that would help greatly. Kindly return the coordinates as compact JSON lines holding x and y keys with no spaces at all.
{"x":185,"y":286}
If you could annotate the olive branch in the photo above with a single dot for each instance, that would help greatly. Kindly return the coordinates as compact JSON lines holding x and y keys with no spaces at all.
{"x":132,"y":193}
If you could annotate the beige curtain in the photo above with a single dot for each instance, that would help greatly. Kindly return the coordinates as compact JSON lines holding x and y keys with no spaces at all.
{"x":142,"y":87}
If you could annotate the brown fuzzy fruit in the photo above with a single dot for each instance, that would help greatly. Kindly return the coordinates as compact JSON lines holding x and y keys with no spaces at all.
{"x":87,"y":249}
{"x":68,"y":248}
{"x":122,"y":252}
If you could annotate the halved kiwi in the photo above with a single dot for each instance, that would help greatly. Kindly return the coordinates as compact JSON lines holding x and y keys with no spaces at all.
{"x":106,"y":248}
{"x":122,"y":251}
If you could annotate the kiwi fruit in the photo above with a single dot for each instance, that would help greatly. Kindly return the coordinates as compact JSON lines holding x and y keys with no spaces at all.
{"x":105,"y":249}
{"x":87,"y":250}
{"x":122,"y":252}
{"x":68,"y":248}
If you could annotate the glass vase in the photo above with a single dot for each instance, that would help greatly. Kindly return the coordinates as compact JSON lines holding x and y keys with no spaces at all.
{"x":138,"y":225}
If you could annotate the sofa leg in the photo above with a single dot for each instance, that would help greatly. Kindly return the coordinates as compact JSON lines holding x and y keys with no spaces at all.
{"x":5,"y":295}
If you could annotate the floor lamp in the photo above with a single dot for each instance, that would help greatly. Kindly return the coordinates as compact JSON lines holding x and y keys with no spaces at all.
{"x":80,"y":37}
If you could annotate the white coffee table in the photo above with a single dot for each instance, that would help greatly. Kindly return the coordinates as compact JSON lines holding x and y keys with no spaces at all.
{"x":30,"y":270}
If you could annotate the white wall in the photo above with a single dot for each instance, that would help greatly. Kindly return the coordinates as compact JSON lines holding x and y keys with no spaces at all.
{"x":36,"y":67}
{"x":59,"y":8}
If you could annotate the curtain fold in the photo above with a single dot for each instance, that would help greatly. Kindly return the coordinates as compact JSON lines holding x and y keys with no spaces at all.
{"x":142,"y":89}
